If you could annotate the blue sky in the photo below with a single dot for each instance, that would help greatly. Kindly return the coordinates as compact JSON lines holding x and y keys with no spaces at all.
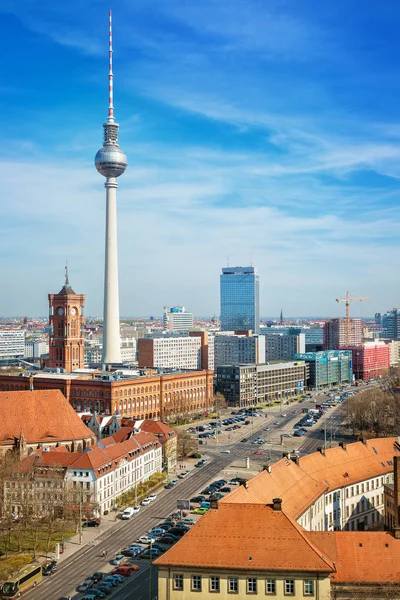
{"x":254,"y":129}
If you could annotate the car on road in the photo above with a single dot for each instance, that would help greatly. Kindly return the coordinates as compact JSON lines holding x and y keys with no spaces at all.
{"x":170,"y":485}
{"x":267,"y":428}
{"x":47,"y":570}
{"x":131,"y":552}
{"x":276,"y":423}
{"x":258,"y":452}
{"x":118,"y":560}
{"x":284,"y":415}
{"x":244,"y":439}
{"x":200,"y":511}
{"x":225,"y":451}
{"x":145,"y":539}
{"x":124,"y":571}
{"x":286,"y":435}
{"x":145,"y":502}
{"x":135,"y":509}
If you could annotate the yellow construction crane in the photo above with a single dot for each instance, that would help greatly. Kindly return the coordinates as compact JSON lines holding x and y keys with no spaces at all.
{"x":347,"y":300}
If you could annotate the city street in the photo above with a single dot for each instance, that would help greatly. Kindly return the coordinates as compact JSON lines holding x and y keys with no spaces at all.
{"x":73,"y":570}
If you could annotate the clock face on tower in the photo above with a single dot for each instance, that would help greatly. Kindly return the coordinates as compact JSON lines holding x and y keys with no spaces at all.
{"x":73,"y":311}
{"x":60,"y":311}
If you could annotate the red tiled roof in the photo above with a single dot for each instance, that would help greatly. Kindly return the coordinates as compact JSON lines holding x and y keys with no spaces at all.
{"x":273,"y":541}
{"x":41,"y":416}
{"x":300,"y":485}
{"x":123,"y":434}
{"x":157,"y":427}
{"x":361,"y":556}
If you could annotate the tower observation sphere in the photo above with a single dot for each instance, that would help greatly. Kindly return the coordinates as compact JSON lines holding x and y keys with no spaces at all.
{"x":110,"y":160}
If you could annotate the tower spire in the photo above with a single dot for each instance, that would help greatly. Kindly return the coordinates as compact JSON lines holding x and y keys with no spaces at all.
{"x":110,"y":73}
{"x":66,"y":275}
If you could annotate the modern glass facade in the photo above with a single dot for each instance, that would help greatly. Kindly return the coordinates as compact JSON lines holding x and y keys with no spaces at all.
{"x":240,"y":303}
{"x":327,"y":368}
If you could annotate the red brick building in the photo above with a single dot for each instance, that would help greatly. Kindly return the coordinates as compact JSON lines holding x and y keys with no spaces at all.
{"x":66,"y":318}
{"x":370,"y":360}
{"x":148,"y":396}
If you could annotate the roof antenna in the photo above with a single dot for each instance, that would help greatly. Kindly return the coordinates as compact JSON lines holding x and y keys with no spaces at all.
{"x":227,"y":261}
{"x":110,"y":75}
{"x":251,"y":260}
{"x":66,"y":274}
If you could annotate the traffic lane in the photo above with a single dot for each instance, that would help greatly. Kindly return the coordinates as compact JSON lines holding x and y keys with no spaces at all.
{"x":83,"y":563}
{"x":87,"y":560}
{"x":138,"y":588}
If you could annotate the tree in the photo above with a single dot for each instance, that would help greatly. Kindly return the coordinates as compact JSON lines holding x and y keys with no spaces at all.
{"x":219,"y":402}
{"x":186,"y":443}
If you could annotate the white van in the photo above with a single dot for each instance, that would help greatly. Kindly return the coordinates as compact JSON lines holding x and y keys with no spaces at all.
{"x":127,"y":514}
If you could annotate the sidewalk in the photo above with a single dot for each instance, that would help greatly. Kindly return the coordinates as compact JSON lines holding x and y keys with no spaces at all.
{"x":89,"y":535}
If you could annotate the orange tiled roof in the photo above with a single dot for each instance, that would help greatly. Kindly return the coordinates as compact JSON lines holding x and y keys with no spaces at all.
{"x":41,"y":416}
{"x":157,"y":427}
{"x":361,"y":556}
{"x":273,"y":541}
{"x":300,"y":485}
{"x":123,"y":434}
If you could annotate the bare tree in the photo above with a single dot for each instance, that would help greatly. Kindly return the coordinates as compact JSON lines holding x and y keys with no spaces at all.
{"x":219,"y":402}
{"x":186,"y":443}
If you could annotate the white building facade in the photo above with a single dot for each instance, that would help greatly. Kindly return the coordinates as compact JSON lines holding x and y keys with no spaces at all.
{"x":233,"y":349}
{"x":12,"y":344}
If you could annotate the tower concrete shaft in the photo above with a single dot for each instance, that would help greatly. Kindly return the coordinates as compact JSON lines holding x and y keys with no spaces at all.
{"x":111,"y":332}
{"x":111,"y":162}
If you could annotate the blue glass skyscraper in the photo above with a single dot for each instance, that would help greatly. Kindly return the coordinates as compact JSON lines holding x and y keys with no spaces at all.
{"x":240,"y":302}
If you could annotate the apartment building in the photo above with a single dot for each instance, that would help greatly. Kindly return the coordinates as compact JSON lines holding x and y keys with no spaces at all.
{"x":281,"y":346}
{"x":12,"y":345}
{"x":170,"y":352}
{"x":177,"y":319}
{"x":370,"y":360}
{"x":335,"y":333}
{"x":95,"y":478}
{"x":328,"y":368}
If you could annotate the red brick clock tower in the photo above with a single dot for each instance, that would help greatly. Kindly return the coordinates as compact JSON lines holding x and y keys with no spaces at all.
{"x":66,"y":319}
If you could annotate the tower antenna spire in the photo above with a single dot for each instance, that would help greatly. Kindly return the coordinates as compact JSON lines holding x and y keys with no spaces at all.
{"x":66,"y":274}
{"x":110,"y":73}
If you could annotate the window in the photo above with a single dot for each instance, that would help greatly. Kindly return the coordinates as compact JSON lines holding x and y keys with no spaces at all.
{"x":196,"y":583}
{"x":309,"y":587}
{"x":178,"y":582}
{"x":252,"y":585}
{"x":214,"y":584}
{"x":289,"y":587}
{"x":270,"y":586}
{"x":233,"y":585}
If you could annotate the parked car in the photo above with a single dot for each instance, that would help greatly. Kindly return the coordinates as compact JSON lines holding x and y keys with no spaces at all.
{"x":130,"y":552}
{"x":97,"y":576}
{"x":200,"y":511}
{"x":124,"y":571}
{"x":226,"y":489}
{"x":187,"y":521}
{"x":145,"y":502}
{"x":168,"y":540}
{"x":152,"y":497}
{"x":83,"y":587}
{"x":258,"y":452}
{"x":107,"y":590}
{"x":151,"y":553}
{"x":244,"y":439}
{"x":91,"y":523}
{"x":96,"y":593}
{"x":112,"y":580}
{"x":145,"y":539}
{"x":197,"y":499}
{"x":118,"y":559}
{"x":155,"y":532}
{"x":127,"y":514}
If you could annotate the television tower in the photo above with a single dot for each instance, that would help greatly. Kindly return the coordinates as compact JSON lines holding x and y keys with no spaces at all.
{"x":111,"y":162}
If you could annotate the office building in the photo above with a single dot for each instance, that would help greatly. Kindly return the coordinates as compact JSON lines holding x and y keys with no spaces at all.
{"x":12,"y":345}
{"x":371,"y":360}
{"x":246,"y":385}
{"x":36,"y":348}
{"x":335,"y":333}
{"x":240,"y":302}
{"x":279,"y":347}
{"x":175,"y":352}
{"x":328,"y":368}
{"x":234,"y":349}
{"x":391,"y":325}
{"x":394,"y":350}
{"x":177,"y":319}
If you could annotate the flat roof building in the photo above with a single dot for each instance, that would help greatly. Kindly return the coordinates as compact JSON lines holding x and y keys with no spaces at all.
{"x":240,"y":299}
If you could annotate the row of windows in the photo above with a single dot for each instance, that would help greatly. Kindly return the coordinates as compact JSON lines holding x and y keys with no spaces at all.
{"x":254,"y":585}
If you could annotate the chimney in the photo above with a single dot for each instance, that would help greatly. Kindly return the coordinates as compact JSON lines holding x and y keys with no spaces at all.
{"x":396,"y":533}
{"x":343,"y":445}
{"x":286,"y":454}
{"x":295,"y":458}
{"x":396,"y":489}
{"x":214,"y":503}
{"x":321,"y":450}
{"x":244,"y":482}
{"x":363,"y":440}
{"x":267,"y":467}
{"x":277,"y":504}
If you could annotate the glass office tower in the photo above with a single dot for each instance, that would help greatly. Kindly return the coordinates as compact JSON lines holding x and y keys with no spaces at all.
{"x":240,"y":305}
